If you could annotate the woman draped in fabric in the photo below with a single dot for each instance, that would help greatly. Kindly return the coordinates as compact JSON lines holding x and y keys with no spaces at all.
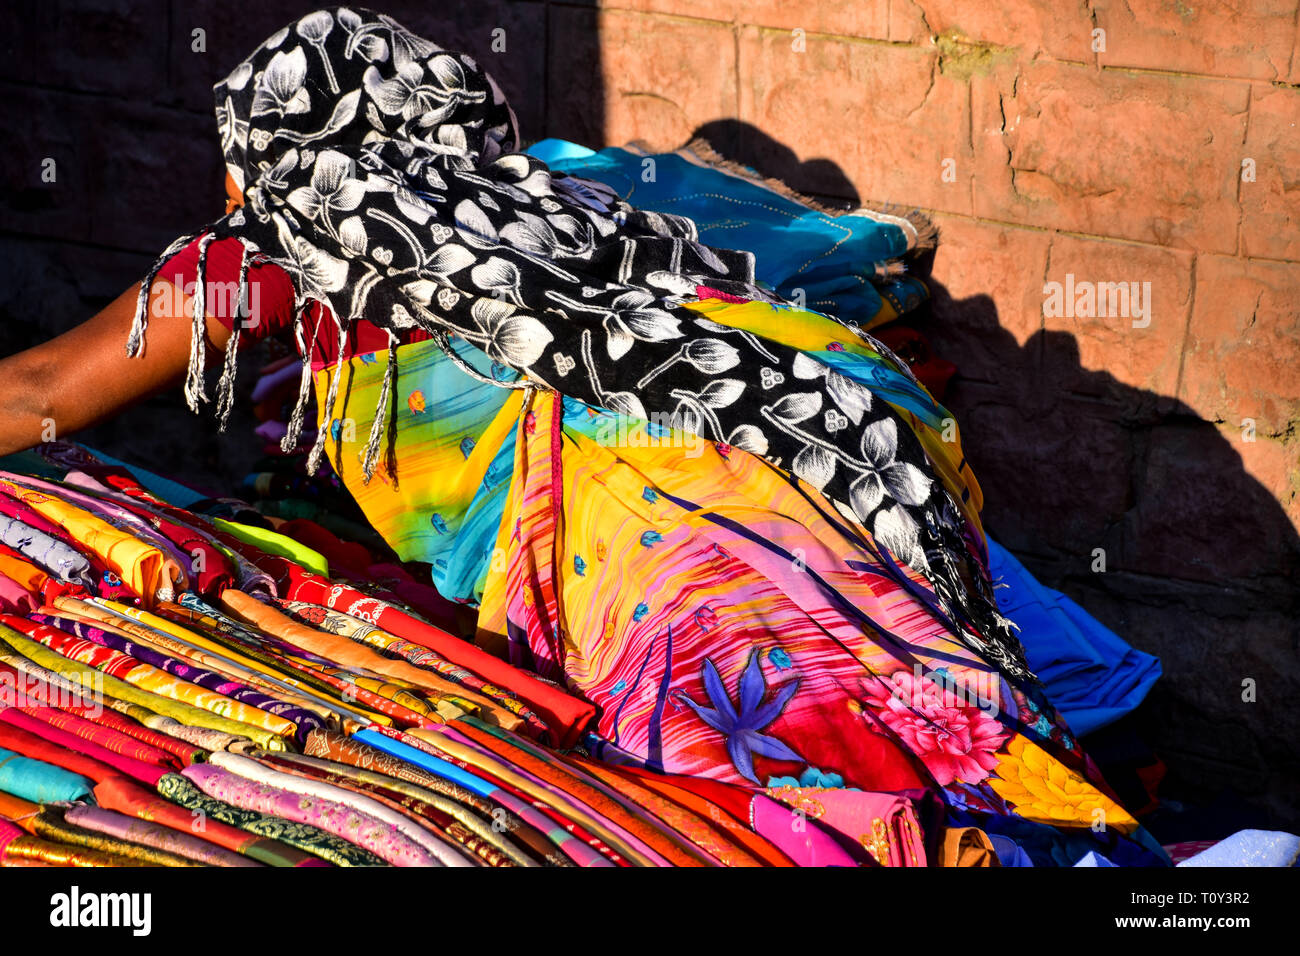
{"x":738,"y":527}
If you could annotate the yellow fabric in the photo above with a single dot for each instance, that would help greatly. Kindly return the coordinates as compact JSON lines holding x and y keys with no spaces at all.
{"x":158,"y":681}
{"x":809,"y":332}
{"x":142,"y":567}
{"x":41,"y":655}
{"x":166,"y":644}
{"x":272,"y":542}
{"x":285,"y":674}
{"x":361,"y":659}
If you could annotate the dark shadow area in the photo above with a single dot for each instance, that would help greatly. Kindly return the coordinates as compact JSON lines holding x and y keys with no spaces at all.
{"x":1201,"y":562}
{"x":746,"y":143}
{"x":118,"y":98}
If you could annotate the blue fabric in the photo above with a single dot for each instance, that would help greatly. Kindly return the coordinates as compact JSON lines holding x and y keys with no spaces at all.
{"x":38,"y":781}
{"x":435,"y":765}
{"x":1091,"y":675}
{"x":552,"y":151}
{"x":1009,"y":851}
{"x":1250,"y":848}
{"x":1094,"y":859}
{"x":166,"y":489}
{"x":833,"y":263}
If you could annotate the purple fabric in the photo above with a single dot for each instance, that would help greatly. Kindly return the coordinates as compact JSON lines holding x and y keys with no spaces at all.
{"x":305,"y":720}
{"x":155,"y":835}
{"x":332,"y":817}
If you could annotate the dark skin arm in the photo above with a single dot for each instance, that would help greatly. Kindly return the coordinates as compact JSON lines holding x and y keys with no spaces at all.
{"x":84,"y":376}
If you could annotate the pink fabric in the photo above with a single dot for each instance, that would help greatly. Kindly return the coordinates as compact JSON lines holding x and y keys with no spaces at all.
{"x":795,"y":835}
{"x":14,"y":598}
{"x":147,"y":773}
{"x":352,"y":825}
{"x":155,"y":835}
{"x":883,"y":824}
{"x":8,"y":833}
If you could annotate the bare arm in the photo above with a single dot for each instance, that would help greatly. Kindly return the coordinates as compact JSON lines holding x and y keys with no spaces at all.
{"x":84,"y":376}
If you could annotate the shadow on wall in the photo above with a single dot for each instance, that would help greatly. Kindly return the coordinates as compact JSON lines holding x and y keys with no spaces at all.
{"x":746,"y":143}
{"x":1200,"y":560}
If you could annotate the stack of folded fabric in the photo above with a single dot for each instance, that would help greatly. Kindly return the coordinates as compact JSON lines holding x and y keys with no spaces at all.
{"x":181,"y":689}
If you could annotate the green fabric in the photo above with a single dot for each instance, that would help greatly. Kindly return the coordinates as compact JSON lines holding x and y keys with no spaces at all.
{"x":15,"y":645}
{"x":272,"y":542}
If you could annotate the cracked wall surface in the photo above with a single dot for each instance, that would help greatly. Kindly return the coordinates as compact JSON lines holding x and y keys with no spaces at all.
{"x":1168,"y":153}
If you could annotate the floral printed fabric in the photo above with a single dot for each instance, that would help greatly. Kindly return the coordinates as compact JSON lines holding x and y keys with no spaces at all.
{"x":379,"y":171}
{"x":728,"y":623}
{"x":727,"y":527}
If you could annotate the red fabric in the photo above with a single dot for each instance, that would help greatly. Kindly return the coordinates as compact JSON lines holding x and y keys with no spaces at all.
{"x":55,"y":740}
{"x":348,"y":556}
{"x":270,"y":298}
{"x":14,"y":597}
{"x":101,"y":736}
{"x":399,"y":587}
{"x":8,"y":833}
{"x":19,"y":510}
{"x":576,"y":829}
{"x":734,"y":800}
{"x":34,"y":746}
{"x":566,"y":715}
{"x":913,"y":348}
{"x":1185,"y":851}
{"x":39,"y":690}
{"x":126,"y":796}
{"x":355,"y":562}
{"x":108,"y":660}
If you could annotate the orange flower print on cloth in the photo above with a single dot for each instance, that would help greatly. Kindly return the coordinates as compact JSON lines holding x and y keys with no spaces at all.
{"x":1043,"y":789}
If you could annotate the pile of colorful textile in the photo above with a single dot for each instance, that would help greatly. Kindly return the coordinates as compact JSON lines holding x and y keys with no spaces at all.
{"x":600,"y":530}
{"x":181,"y":689}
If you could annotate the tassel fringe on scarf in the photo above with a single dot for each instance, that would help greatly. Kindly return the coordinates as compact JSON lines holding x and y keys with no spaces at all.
{"x":380,"y":171}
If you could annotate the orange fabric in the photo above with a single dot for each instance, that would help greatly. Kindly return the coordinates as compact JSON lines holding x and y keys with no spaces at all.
{"x":18,"y":811}
{"x":24,"y":572}
{"x":684,"y":821}
{"x":719,"y":818}
{"x":967,"y":846}
{"x":141,"y":566}
{"x":354,"y":656}
{"x":677,"y":853}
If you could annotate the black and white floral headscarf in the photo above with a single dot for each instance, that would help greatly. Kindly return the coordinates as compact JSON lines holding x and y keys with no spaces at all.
{"x":382,"y":173}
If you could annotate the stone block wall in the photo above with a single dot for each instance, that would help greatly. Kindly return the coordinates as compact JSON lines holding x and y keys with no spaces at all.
{"x":1136,"y":141}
